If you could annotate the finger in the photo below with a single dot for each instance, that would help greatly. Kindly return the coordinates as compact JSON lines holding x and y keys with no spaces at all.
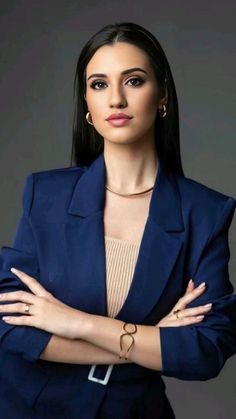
{"x":190,"y":296}
{"x":188,"y":320}
{"x":31,"y":282}
{"x":196,"y":310}
{"x":22,"y":296}
{"x":20,"y":320}
{"x":190,"y":286}
{"x":174,"y":322}
{"x":195,"y":293}
{"x":15,"y":308}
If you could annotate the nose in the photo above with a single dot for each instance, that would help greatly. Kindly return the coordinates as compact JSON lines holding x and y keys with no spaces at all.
{"x":117,"y":98}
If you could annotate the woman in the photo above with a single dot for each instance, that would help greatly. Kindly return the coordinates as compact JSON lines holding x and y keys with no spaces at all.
{"x":118,"y":273}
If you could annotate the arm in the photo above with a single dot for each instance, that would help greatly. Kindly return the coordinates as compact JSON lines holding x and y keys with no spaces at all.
{"x":77,"y":351}
{"x":200,"y":351}
{"x":27,"y":342}
{"x":105,"y":332}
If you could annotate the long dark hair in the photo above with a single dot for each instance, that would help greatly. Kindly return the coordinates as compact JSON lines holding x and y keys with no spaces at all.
{"x":87,"y":142}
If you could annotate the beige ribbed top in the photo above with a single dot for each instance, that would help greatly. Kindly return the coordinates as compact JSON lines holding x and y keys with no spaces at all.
{"x":121,"y":258}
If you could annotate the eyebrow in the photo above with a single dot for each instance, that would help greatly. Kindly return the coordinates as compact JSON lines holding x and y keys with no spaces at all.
{"x":129,"y":70}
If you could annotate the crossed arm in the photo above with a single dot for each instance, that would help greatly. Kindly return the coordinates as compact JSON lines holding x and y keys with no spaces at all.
{"x":82,"y":338}
{"x":74,"y":336}
{"x":101,"y":345}
{"x":77,"y":351}
{"x":99,"y":341}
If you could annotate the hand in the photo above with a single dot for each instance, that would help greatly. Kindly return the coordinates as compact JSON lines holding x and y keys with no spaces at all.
{"x":187,"y":315}
{"x":45,"y":311}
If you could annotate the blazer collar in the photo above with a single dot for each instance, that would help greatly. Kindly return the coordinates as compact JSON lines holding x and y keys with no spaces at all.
{"x":165,"y":205}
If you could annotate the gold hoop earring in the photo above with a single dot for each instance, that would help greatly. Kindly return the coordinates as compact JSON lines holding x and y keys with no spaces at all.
{"x":87,"y":118}
{"x":163,"y":111}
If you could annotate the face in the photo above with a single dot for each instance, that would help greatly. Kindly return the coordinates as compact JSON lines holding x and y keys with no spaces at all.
{"x":135,"y":93}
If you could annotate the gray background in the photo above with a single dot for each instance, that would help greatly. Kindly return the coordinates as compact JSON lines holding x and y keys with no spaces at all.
{"x":40,"y":42}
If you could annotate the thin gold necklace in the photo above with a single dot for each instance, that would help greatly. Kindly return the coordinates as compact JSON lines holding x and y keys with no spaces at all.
{"x":130,"y":194}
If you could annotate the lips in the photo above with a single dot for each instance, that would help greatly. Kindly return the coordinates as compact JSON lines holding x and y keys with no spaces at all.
{"x":119,"y":122}
{"x":118,"y":116}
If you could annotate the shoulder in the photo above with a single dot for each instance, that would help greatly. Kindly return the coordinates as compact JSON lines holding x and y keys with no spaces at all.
{"x":56,"y":180}
{"x":196,"y":190}
{"x":59,"y":173}
{"x":50,"y":186}
{"x":204,"y":204}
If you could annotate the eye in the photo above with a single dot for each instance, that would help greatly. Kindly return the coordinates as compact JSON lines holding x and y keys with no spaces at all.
{"x":136,"y":79}
{"x":99,"y":82}
{"x":95,"y":83}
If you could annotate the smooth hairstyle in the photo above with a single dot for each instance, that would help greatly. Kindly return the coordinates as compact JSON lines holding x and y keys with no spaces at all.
{"x":87,"y":143}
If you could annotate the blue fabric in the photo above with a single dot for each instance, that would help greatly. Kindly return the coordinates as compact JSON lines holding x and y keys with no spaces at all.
{"x":60,"y":241}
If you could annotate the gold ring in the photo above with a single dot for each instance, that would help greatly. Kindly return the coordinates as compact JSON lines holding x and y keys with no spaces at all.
{"x":27,"y":307}
{"x":176,"y":312}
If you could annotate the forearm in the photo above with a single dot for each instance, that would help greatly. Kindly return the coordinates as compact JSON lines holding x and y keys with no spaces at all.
{"x":105,"y":332}
{"x":77,"y":351}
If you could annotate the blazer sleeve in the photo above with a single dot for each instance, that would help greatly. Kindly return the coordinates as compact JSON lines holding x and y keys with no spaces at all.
{"x":198,"y":352}
{"x":26,"y":341}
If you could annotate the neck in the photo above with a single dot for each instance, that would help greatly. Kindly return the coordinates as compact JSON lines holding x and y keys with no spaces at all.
{"x":130,"y":171}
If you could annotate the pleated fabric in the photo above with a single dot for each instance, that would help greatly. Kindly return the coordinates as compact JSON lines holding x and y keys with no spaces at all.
{"x":121,"y":258}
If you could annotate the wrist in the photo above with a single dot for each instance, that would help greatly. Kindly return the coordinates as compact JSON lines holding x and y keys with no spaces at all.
{"x":83,"y":325}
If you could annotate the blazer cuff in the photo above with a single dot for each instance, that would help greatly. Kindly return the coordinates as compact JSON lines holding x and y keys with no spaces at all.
{"x":32,"y":341}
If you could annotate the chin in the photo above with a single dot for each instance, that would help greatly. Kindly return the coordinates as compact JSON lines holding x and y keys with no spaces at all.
{"x":123,"y":139}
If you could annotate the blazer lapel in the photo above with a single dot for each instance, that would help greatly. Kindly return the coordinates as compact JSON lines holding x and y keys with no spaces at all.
{"x":159,"y":249}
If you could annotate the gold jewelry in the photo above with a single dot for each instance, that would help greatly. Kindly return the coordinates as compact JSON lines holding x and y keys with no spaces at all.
{"x":27,"y":307}
{"x":130,"y":194}
{"x":87,"y":118}
{"x":163,"y":111}
{"x":176,"y":313}
{"x":122,"y":336}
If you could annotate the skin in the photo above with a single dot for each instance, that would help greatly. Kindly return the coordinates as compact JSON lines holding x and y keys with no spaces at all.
{"x":130,"y":148}
{"x":80,"y":337}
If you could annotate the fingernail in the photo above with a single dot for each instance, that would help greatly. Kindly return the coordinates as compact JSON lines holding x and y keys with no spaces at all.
{"x":202,"y":285}
{"x":190,"y":281}
{"x":14,"y":270}
{"x":200,"y":317}
{"x":208,"y":305}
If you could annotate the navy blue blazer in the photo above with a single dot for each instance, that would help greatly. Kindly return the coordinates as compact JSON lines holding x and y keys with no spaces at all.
{"x":60,"y":241}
